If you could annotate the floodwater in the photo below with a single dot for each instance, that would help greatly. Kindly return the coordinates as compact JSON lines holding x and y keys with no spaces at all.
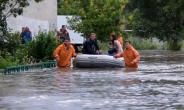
{"x":157,"y":84}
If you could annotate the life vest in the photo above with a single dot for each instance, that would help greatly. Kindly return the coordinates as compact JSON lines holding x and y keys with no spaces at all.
{"x":120,"y":39}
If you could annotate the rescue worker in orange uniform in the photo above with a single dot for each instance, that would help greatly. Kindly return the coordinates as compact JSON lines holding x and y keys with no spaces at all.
{"x":64,"y":53}
{"x":131,"y":56}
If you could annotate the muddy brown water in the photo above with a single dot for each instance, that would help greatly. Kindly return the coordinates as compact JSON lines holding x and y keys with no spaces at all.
{"x":157,"y":84}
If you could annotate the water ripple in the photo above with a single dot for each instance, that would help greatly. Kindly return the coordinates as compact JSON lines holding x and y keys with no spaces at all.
{"x":157,"y":84}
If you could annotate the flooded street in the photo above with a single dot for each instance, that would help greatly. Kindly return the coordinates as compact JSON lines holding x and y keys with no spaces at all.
{"x":157,"y":84}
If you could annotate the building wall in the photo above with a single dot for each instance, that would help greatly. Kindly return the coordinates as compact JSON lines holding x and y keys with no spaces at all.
{"x":36,"y":16}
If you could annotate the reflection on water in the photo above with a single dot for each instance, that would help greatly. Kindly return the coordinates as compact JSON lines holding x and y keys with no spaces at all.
{"x":157,"y":84}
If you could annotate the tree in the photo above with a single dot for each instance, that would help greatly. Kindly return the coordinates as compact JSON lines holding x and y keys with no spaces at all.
{"x":157,"y":18}
{"x":100,"y":16}
{"x":7,"y":9}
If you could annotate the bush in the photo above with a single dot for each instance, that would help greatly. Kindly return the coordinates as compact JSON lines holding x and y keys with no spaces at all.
{"x":171,"y":46}
{"x":104,"y":46}
{"x":28,"y":60}
{"x":142,"y":44}
{"x":20,"y":54}
{"x":42,"y":48}
{"x":6,"y":62}
{"x":12,"y":52}
{"x":10,"y":44}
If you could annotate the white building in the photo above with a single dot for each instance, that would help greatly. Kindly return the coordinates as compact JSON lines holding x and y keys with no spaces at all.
{"x":37,"y":15}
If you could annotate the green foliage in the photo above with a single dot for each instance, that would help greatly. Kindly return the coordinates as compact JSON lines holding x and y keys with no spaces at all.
{"x":162,"y":19}
{"x":104,"y":46}
{"x":6,"y":62}
{"x":8,"y":41}
{"x":28,"y":60}
{"x":14,"y":53}
{"x":42,"y":48}
{"x":10,"y":44}
{"x":171,"y":46}
{"x":20,"y":54}
{"x":100,"y":16}
{"x":142,"y":44}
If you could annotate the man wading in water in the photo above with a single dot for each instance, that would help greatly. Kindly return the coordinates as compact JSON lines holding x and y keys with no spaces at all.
{"x":131,"y":56}
{"x":64,"y":53}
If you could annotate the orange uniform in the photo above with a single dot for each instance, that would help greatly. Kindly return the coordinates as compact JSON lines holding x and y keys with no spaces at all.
{"x":120,"y":39}
{"x":130,"y":55}
{"x":64,"y":55}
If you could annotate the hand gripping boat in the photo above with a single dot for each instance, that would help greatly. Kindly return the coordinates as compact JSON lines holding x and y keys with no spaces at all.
{"x":97,"y":61}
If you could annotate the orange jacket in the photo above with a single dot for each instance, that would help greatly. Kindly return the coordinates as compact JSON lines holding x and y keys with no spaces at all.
{"x":120,"y":39}
{"x":130,"y":55}
{"x":64,"y":55}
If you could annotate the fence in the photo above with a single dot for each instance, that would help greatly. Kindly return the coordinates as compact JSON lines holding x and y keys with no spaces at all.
{"x":23,"y":68}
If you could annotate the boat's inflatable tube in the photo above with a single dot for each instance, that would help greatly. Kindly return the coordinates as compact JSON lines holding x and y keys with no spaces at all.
{"x":97,"y":61}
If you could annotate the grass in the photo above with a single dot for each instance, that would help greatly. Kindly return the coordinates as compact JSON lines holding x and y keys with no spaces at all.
{"x":171,"y":46}
{"x":142,"y":44}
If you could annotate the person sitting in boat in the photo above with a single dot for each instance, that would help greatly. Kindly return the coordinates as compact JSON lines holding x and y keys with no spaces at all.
{"x":91,"y":46}
{"x":131,"y":56}
{"x":117,"y":47}
{"x":64,"y":53}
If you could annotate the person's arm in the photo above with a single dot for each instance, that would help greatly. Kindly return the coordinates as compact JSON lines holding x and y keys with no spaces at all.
{"x":119,"y":47}
{"x":58,"y":33}
{"x":118,"y":55}
{"x":73,"y":51}
{"x":56,"y":52}
{"x":20,"y":35}
{"x":30,"y":35}
{"x":110,"y":47}
{"x":137,"y":56}
{"x":97,"y":46}
{"x":67,"y":33}
{"x":89,"y":49}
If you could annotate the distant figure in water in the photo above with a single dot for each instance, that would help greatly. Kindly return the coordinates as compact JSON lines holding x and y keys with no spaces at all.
{"x":64,"y":53}
{"x":131,"y":56}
